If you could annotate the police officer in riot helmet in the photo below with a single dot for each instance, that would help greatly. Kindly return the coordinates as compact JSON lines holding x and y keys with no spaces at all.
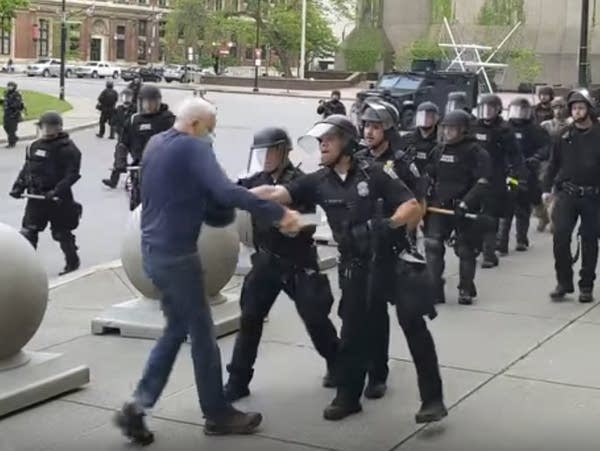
{"x":460,"y":171}
{"x":365,"y":204}
{"x":497,"y":137}
{"x":13,"y":106}
{"x":421,"y":141}
{"x":52,"y":166}
{"x":122,"y":116}
{"x":524,"y":192}
{"x":280,"y":263}
{"x":574,"y":173}
{"x":107,"y":101}
{"x":135,"y":85}
{"x":543,"y":110}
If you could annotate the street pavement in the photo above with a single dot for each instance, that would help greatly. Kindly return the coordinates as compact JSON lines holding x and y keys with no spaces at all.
{"x":520,"y":373}
{"x":106,"y":211}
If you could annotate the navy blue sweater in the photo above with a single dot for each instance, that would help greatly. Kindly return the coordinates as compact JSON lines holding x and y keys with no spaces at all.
{"x":179,"y":174}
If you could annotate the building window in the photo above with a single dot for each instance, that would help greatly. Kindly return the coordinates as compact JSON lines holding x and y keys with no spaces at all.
{"x":163,"y":3}
{"x":73,"y":40}
{"x":142,"y":28}
{"x":249,"y":53}
{"x":162,"y":29}
{"x":44,"y":37}
{"x":218,"y":5}
{"x":120,"y":42}
{"x":141,"y":49}
{"x":142,"y":2}
{"x":5,"y":36}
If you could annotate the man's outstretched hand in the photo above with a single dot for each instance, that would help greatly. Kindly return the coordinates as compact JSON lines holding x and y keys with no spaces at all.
{"x":291,"y":222}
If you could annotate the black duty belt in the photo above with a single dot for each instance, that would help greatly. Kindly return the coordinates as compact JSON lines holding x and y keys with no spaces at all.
{"x":580,"y":191}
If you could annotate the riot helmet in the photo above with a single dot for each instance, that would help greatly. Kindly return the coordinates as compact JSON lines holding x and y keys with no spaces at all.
{"x":546,"y":94}
{"x":377,"y":110}
{"x":50,"y":124}
{"x":428,"y":115}
{"x":269,"y":150}
{"x":489,"y":107}
{"x":519,"y":110}
{"x":335,"y":95}
{"x":578,"y":96}
{"x":11,"y":86}
{"x":334,"y":131}
{"x":455,"y":126}
{"x":559,"y":108}
{"x":457,"y":100}
{"x":110,"y":84}
{"x":127,"y":96}
{"x":149,"y":99}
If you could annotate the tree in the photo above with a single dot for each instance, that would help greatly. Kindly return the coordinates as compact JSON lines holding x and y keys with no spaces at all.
{"x":526,"y":64}
{"x":185,"y":27}
{"x":8,"y":9}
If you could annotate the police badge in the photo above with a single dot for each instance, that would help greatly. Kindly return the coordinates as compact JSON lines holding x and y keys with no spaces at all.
{"x":363,"y":189}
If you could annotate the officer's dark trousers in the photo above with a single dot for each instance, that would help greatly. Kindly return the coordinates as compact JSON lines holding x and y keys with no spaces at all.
{"x":10,"y":127}
{"x":106,"y":116}
{"x":496,"y":208}
{"x":567,"y":209}
{"x":466,"y":246}
{"x":311,"y":292}
{"x":520,"y":208}
{"x":63,"y":218}
{"x":358,"y":326}
{"x":378,"y":369}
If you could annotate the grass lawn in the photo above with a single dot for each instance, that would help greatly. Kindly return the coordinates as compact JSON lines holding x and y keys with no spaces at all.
{"x":38,"y":103}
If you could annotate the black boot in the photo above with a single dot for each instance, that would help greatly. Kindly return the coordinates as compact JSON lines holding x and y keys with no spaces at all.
{"x":375,"y":390}
{"x":330,"y":380}
{"x":522,"y":247}
{"x":130,"y":419}
{"x":113,"y":180}
{"x":465,"y":297}
{"x":431,"y":412}
{"x":235,"y":422}
{"x":439,"y":296}
{"x":560,"y":291}
{"x":585,"y":295}
{"x":71,"y":258}
{"x":339,"y":410}
{"x":490,"y":261}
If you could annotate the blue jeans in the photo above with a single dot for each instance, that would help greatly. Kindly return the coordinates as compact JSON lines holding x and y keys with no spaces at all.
{"x":187,"y":312}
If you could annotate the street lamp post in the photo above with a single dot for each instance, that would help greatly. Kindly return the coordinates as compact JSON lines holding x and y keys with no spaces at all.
{"x":303,"y":41}
{"x":256,"y":54}
{"x":583,"y":44}
{"x":63,"y":46}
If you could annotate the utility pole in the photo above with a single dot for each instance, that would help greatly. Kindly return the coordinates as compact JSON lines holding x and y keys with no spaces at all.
{"x":257,"y":54}
{"x":583,"y":45}
{"x":303,"y":41}
{"x":63,"y":46}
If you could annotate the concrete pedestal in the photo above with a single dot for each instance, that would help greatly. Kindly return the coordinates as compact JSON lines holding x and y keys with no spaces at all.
{"x":32,"y":377}
{"x":327,"y":259}
{"x":143,"y":318}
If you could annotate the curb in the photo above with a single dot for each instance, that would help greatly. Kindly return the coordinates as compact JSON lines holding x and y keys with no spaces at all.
{"x":75,"y":128}
{"x":59,"y":281}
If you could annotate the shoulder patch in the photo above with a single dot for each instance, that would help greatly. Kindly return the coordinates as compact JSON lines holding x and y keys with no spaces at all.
{"x":388,"y":168}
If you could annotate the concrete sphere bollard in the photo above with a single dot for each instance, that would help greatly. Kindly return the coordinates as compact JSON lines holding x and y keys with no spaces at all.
{"x":243,"y":222}
{"x":218,"y":249}
{"x":23,"y":292}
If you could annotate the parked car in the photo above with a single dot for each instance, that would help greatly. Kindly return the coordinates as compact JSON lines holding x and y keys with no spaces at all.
{"x":146,"y":73}
{"x":177,"y":72}
{"x":97,"y":69}
{"x":48,"y":67}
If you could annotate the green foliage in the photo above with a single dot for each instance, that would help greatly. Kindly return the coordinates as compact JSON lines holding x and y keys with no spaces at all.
{"x":441,"y":9}
{"x":8,"y":8}
{"x":419,"y":49}
{"x":501,"y":12}
{"x":185,"y":28}
{"x":38,"y":103}
{"x":363,"y":49}
{"x":526,"y":64}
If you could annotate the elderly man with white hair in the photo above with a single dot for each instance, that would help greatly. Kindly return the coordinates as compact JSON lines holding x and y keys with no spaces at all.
{"x":180,"y":177}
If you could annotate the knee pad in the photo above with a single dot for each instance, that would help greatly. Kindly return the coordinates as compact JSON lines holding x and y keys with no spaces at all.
{"x":434,"y":245}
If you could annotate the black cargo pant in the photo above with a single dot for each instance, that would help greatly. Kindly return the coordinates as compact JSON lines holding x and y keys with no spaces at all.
{"x":10,"y":127}
{"x":311,"y":293}
{"x":106,"y":116}
{"x":567,"y":210}
{"x":467,"y":245}
{"x":359,"y":324}
{"x":63,"y":217}
{"x":519,"y":207}
{"x":495,"y":208}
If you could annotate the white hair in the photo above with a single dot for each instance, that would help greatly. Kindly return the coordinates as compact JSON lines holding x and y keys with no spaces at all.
{"x":194,"y":108}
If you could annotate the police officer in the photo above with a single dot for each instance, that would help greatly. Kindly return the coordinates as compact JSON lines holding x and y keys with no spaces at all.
{"x":121,"y":117}
{"x":280,"y":263}
{"x":460,"y":170}
{"x":107,"y":101}
{"x":135,"y":85}
{"x":533,"y":142}
{"x":332,"y":106}
{"x":457,"y":100}
{"x":574,"y":173}
{"x":543,"y":110}
{"x":153,"y":117}
{"x":13,"y":107}
{"x":52,"y":165}
{"x":421,"y":141}
{"x":364,"y":204}
{"x":379,"y":121}
{"x":498,"y":138}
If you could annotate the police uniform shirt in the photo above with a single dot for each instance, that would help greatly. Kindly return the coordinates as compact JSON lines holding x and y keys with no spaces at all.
{"x":269,"y":238}
{"x":351,"y":199}
{"x":142,"y":126}
{"x":532,"y":140}
{"x":419,"y":146}
{"x":498,"y":138}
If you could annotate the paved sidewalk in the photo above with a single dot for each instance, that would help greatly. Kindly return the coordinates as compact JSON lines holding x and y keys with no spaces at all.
{"x":83,"y":115}
{"x":520,"y":373}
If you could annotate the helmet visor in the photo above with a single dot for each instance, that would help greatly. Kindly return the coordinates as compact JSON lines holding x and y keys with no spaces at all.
{"x":126,"y":97}
{"x":149,"y":105}
{"x":486,"y":111}
{"x":453,"y":105}
{"x":256,"y":161}
{"x":311,"y":141}
{"x":519,"y":112}
{"x":426,"y":119}
{"x":48,"y":130}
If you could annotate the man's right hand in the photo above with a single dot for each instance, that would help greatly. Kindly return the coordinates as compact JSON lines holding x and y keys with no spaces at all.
{"x":546,"y":197}
{"x":291,"y":222}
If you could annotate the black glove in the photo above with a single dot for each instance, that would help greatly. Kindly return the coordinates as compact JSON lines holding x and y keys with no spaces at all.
{"x":50,"y":195}
{"x":379,"y":226}
{"x":16,"y":193}
{"x":533,"y":164}
{"x":461,"y":210}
